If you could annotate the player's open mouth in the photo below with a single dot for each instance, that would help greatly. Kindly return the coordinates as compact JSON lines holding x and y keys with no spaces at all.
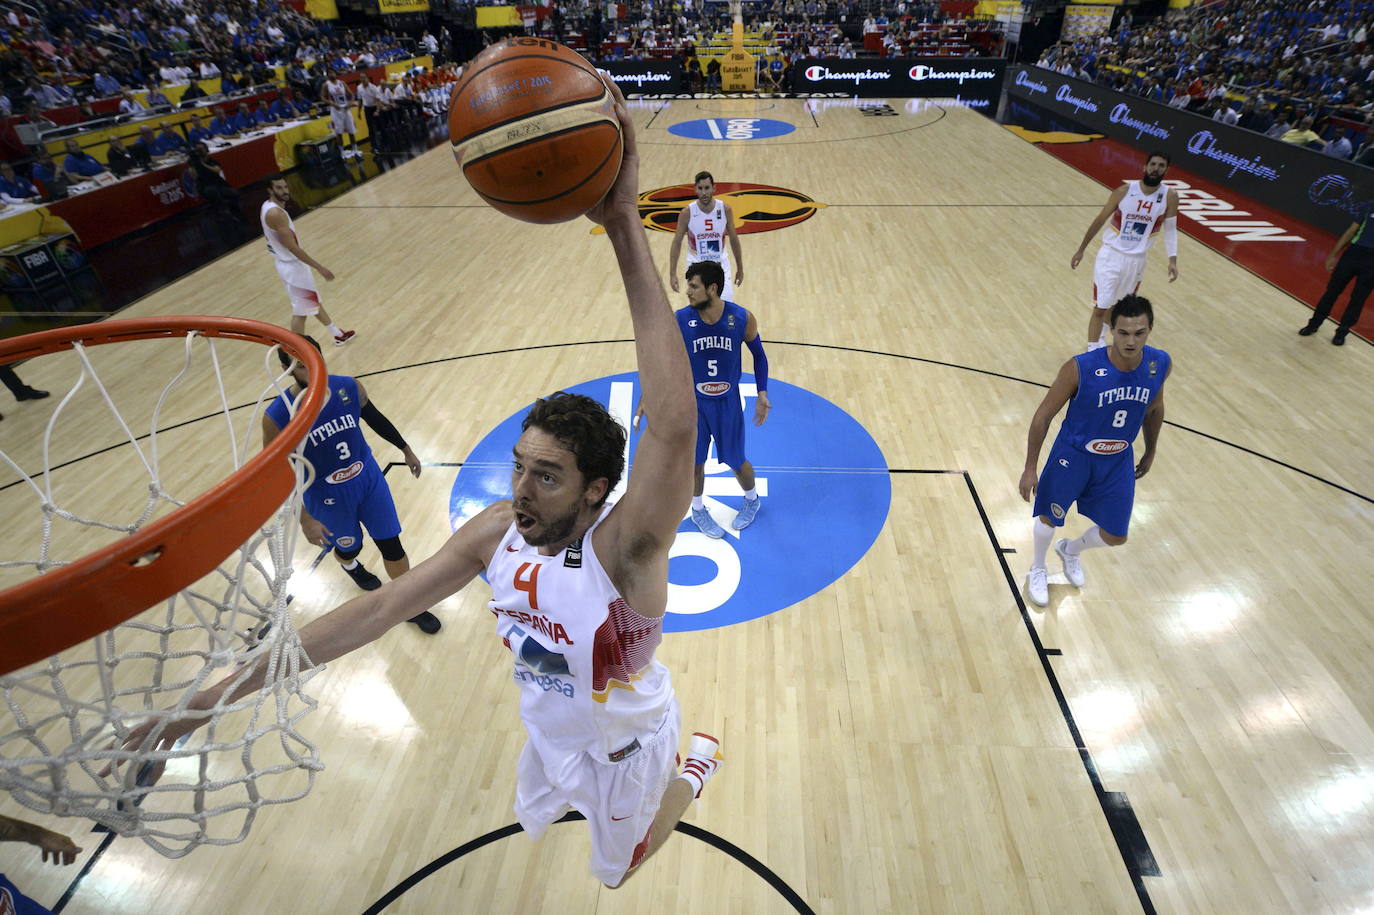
{"x":523,"y":522}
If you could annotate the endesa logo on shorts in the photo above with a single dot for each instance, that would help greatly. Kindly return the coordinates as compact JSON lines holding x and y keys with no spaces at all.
{"x":346,"y":473}
{"x":713,"y":388}
{"x":1107,"y":446}
{"x":823,"y":481}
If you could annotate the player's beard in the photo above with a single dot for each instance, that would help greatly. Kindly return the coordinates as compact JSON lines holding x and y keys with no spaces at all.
{"x":1146,"y":182}
{"x":556,"y":530}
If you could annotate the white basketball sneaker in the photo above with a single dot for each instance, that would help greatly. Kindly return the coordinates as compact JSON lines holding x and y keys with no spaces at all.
{"x":1073,"y":567}
{"x":1037,"y":586}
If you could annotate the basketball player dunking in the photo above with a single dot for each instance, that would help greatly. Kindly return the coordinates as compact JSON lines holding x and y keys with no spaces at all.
{"x":293,"y":264}
{"x":1138,"y":210}
{"x":579,"y":588}
{"x":706,"y":223}
{"x":1112,"y":392}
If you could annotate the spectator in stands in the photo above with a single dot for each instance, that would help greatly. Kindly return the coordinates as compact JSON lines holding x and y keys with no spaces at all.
{"x":198,"y":132}
{"x":80,"y":164}
{"x":1340,"y":147}
{"x":106,"y":86}
{"x":168,"y":141}
{"x":1283,"y":123}
{"x":118,"y":159}
{"x":172,"y":74}
{"x":297,"y":78}
{"x":48,"y":96}
{"x":1256,"y":118}
{"x":222,"y":125}
{"x":192,"y":94}
{"x":50,"y":175}
{"x":131,"y":105}
{"x":283,"y":108}
{"x":156,"y":98}
{"x":243,"y":120}
{"x":1222,"y":111}
{"x":35,"y":118}
{"x":15,"y":188}
{"x":1302,"y":135}
{"x":208,"y":69}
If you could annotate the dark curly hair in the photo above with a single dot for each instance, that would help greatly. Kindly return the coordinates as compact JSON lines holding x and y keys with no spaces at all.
{"x":585,"y":428}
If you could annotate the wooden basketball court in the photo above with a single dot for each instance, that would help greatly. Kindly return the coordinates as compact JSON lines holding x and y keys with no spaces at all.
{"x":1190,"y":733}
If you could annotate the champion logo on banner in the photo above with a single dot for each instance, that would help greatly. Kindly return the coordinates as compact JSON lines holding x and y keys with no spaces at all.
{"x":823,"y":481}
{"x":731,"y":129}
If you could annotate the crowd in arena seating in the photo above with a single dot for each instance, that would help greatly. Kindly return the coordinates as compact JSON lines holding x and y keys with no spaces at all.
{"x":94,"y":49}
{"x":1300,"y":72}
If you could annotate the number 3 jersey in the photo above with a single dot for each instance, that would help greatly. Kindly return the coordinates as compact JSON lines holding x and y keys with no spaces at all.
{"x":1106,"y":413}
{"x":1138,"y":218}
{"x":584,"y":658}
{"x":335,"y":446}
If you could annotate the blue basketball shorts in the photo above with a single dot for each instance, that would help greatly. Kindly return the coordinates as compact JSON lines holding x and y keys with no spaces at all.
{"x":1103,"y":487}
{"x":721,"y":418}
{"x":345,"y":508}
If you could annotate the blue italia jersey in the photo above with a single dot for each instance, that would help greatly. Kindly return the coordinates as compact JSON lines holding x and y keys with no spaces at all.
{"x":335,"y":446}
{"x":1106,"y":414}
{"x":714,"y":349}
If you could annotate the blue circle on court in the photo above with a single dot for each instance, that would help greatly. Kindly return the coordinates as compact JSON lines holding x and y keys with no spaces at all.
{"x":822,"y":478}
{"x":731,"y":129}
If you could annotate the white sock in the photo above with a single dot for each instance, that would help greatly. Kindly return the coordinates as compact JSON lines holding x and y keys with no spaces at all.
{"x":333,"y":330}
{"x":350,"y":565}
{"x":1091,"y":539}
{"x":1043,"y":534}
{"x":698,"y":503}
{"x":751,"y":494}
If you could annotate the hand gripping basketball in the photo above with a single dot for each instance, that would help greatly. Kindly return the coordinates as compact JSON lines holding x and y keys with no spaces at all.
{"x":623,"y":197}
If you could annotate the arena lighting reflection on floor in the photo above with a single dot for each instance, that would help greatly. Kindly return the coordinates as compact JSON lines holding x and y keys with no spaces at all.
{"x":1207,"y":615}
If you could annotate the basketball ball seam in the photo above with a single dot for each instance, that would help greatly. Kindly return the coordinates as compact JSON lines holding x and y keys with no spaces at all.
{"x":454,"y":102}
{"x":578,"y":63}
{"x":542,"y":111}
{"x":619,"y":145}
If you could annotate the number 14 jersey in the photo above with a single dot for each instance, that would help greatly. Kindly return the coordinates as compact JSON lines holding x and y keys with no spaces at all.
{"x":1138,"y":218}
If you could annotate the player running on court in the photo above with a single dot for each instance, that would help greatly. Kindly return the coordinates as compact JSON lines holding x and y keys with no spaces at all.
{"x":293,"y":264}
{"x":707,"y":223}
{"x":1138,"y":210}
{"x":579,"y":587}
{"x":349,"y":491}
{"x":1112,"y":392}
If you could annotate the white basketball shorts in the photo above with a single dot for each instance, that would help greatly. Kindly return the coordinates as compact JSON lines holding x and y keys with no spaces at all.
{"x":300,"y":288}
{"x":341,"y":121}
{"x":1116,"y":275}
{"x":619,"y":799}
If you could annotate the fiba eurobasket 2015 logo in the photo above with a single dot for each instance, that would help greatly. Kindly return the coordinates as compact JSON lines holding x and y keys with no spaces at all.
{"x":822,"y":478}
{"x":757,"y":207}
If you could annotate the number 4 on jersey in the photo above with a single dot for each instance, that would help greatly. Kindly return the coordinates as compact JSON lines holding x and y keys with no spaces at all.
{"x":527,"y":580}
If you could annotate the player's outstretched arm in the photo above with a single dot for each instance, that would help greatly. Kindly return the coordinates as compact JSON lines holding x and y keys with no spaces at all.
{"x":1171,"y":232}
{"x":1098,"y":222}
{"x":1154,"y":422}
{"x":1065,"y":386}
{"x":660,"y":487}
{"x":684,"y":219}
{"x":360,"y":621}
{"x":733,"y":236}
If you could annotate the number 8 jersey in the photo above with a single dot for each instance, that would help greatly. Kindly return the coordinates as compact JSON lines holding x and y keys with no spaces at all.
{"x":1138,"y":218}
{"x":1106,"y":413}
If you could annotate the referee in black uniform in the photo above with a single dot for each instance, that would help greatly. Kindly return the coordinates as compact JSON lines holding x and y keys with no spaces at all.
{"x":1357,"y":263}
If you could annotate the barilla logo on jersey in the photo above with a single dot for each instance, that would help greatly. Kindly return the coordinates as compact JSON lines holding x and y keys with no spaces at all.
{"x":347,"y":473}
{"x":713,"y":388}
{"x":1107,"y":446}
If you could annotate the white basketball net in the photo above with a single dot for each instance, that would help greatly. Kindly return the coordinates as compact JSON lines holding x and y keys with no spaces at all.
{"x":61,"y":719}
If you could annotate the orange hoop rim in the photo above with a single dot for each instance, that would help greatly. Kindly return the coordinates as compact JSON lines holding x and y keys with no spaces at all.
{"x":69,"y":604}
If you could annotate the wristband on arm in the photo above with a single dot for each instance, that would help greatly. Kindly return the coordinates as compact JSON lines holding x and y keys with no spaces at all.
{"x":382,"y":426}
{"x":760,"y":363}
{"x":1171,"y":236}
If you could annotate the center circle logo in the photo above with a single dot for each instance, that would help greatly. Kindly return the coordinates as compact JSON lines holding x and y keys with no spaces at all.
{"x":757,"y":207}
{"x":822,"y":478}
{"x":731,"y":129}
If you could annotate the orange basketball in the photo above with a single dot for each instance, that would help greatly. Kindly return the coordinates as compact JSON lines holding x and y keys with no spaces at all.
{"x":534,"y":130}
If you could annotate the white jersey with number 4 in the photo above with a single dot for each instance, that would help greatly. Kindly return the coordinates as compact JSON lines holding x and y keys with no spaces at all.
{"x":706,"y":235}
{"x":1138,"y":218}
{"x":584,"y":658}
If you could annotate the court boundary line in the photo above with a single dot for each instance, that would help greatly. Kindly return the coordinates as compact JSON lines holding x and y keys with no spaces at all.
{"x":1131,"y":841}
